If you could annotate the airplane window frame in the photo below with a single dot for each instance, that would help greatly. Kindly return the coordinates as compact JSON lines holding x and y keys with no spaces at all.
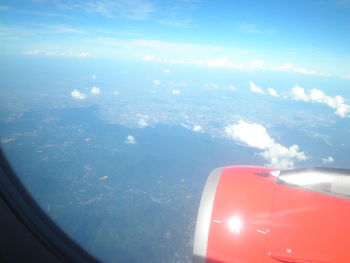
{"x":35,"y":220}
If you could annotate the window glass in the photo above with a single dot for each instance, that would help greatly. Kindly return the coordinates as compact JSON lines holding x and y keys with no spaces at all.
{"x":113,"y":113}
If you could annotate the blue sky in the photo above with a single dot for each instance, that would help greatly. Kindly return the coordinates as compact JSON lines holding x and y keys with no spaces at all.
{"x":248,"y":52}
{"x":305,"y":37}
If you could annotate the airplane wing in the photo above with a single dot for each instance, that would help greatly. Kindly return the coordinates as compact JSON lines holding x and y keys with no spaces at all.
{"x":257,"y":214}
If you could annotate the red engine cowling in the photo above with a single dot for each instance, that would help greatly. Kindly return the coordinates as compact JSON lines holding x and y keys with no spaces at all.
{"x":257,"y":214}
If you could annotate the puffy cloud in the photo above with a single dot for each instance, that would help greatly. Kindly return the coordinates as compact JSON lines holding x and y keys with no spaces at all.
{"x":95,"y":90}
{"x":156,"y":82}
{"x":283,"y":157}
{"x":176,"y":91}
{"x":197,"y":128}
{"x":327,"y":160}
{"x":130,"y":140}
{"x":77,"y":94}
{"x":315,"y":95}
{"x":272,"y":92}
{"x":255,"y":88}
{"x":142,"y":123}
{"x":299,"y":94}
{"x":167,"y":71}
{"x":255,"y":135}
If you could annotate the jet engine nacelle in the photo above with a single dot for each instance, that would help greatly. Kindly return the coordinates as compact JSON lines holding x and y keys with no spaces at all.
{"x":257,"y":214}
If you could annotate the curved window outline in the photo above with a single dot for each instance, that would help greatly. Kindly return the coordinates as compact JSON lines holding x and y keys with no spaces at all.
{"x":35,"y":220}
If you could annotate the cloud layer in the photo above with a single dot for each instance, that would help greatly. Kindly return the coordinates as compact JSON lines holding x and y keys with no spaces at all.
{"x":256,"y":136}
{"x":224,"y":61}
{"x":129,"y":9}
{"x":37,"y":52}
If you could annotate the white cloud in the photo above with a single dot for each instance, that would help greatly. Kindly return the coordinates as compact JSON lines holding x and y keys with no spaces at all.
{"x":178,"y":84}
{"x":255,"y":88}
{"x":130,"y":9}
{"x":294,"y":69}
{"x":255,"y":135}
{"x":77,"y":94}
{"x":36,"y":52}
{"x":255,"y":29}
{"x":197,"y":128}
{"x":95,"y":90}
{"x":210,"y":86}
{"x":61,"y":29}
{"x":327,"y":160}
{"x":315,"y":95}
{"x":156,"y":82}
{"x":272,"y":92}
{"x":231,"y":87}
{"x":81,"y":55}
{"x":173,"y":47}
{"x":250,"y":28}
{"x":166,"y":71}
{"x":185,"y":23}
{"x":299,"y":93}
{"x":93,"y":77}
{"x":130,"y":140}
{"x":223,"y":62}
{"x":149,"y":58}
{"x":142,"y":123}
{"x":176,"y":91}
{"x":31,"y":52}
